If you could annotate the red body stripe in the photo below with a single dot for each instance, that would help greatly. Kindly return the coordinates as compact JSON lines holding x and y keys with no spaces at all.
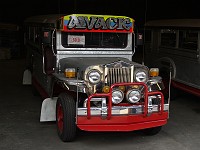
{"x":186,"y":88}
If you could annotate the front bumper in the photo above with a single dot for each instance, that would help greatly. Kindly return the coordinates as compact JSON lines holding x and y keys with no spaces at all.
{"x":122,"y":118}
{"x":122,"y":123}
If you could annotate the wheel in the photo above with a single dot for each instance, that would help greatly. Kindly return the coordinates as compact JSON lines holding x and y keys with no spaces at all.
{"x":66,"y":117}
{"x":152,"y":131}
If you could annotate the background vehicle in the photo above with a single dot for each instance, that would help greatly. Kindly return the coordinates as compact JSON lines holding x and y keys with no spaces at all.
{"x":173,"y":46}
{"x":82,"y":66}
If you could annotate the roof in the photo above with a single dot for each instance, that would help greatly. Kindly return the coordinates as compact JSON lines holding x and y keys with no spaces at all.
{"x":174,"y":23}
{"x":51,"y":18}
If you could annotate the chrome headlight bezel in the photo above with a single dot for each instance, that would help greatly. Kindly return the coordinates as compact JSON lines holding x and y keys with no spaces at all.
{"x":94,"y":76}
{"x":141,"y":75}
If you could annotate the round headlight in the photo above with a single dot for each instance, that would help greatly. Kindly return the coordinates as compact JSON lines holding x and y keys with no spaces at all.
{"x":94,"y":76}
{"x":117,"y":96}
{"x":141,"y":76}
{"x":133,"y":96}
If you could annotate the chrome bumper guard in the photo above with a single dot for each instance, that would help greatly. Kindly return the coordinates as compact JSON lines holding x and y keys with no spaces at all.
{"x":106,"y":109}
{"x":119,"y":110}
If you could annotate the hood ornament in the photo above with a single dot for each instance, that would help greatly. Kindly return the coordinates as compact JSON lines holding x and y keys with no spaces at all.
{"x":118,"y":64}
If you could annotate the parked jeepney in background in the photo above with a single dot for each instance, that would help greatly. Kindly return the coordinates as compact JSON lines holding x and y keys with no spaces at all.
{"x":82,"y":66}
{"x":173,"y":46}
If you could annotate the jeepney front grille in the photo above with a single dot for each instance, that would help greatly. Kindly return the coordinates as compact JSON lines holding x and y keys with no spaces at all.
{"x":118,"y":75}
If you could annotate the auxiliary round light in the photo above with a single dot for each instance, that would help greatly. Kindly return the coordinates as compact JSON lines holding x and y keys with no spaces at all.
{"x":106,"y":89}
{"x":122,"y":88}
{"x":133,"y":96}
{"x":117,"y":96}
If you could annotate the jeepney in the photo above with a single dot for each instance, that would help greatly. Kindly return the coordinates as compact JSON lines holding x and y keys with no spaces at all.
{"x":173,"y":46}
{"x":81,"y":64}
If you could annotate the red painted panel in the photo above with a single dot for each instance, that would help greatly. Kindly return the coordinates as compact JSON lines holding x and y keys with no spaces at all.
{"x":186,"y":88}
{"x":122,"y":123}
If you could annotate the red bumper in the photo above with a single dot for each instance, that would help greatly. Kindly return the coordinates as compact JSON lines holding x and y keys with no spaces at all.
{"x":122,"y":123}
{"x":129,"y":122}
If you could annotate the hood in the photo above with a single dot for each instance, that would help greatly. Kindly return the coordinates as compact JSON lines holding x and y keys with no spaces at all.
{"x":83,"y":62}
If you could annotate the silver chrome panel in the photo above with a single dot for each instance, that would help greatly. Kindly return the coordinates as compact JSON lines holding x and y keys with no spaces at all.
{"x":121,"y":110}
{"x":118,"y":75}
{"x":70,"y":83}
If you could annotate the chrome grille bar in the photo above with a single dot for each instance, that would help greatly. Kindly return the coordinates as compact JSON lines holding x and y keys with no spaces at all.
{"x":118,"y":75}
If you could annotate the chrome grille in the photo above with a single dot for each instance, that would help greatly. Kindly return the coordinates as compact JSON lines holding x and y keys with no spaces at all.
{"x":118,"y":75}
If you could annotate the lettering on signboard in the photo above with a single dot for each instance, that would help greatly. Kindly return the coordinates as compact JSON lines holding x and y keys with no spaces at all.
{"x":111,"y":23}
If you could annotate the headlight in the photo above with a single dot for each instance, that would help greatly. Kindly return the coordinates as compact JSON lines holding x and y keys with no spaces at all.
{"x":133,"y":96}
{"x":117,"y":96}
{"x":94,"y":76}
{"x":141,"y":76}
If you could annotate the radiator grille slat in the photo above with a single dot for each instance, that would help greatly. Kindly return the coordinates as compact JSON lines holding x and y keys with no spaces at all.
{"x":118,"y":75}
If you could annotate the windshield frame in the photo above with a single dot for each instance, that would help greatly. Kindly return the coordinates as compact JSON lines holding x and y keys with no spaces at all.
{"x":95,"y":40}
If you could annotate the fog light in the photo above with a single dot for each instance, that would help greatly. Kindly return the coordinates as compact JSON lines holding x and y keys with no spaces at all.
{"x":133,"y":96}
{"x":117,"y":96}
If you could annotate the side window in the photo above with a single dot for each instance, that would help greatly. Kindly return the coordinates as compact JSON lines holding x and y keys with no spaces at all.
{"x":37,"y":35}
{"x":188,"y":39}
{"x":168,"y":38}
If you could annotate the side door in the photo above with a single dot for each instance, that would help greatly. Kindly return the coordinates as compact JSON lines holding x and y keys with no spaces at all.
{"x":48,"y":57}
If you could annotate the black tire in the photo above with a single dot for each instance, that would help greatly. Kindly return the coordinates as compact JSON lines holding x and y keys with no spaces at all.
{"x":152,"y":131}
{"x":66,"y":117}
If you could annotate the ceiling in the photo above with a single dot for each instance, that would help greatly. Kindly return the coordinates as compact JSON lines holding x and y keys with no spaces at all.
{"x":140,"y":10}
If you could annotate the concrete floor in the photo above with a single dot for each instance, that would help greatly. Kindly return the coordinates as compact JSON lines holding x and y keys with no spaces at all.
{"x":20,"y":128}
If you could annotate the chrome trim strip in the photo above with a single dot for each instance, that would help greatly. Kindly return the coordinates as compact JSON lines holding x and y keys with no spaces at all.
{"x":121,"y":110}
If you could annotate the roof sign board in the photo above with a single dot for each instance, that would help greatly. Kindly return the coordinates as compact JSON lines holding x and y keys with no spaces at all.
{"x":97,"y":23}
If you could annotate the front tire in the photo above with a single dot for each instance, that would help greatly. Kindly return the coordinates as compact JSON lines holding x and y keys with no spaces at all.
{"x":66,"y":117}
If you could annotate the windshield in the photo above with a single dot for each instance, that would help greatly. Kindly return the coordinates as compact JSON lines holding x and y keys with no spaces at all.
{"x":94,"y":40}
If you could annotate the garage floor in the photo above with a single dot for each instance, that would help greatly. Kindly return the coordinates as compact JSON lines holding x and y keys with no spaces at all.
{"x":20,"y":128}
